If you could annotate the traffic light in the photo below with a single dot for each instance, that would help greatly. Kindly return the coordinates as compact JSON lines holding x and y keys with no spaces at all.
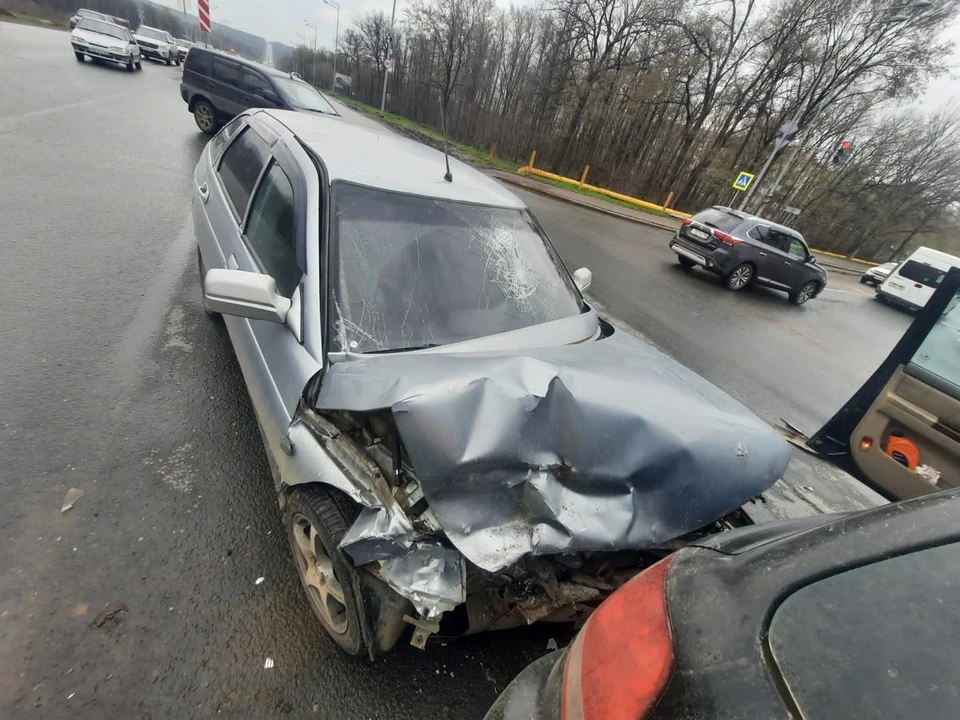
{"x":842,"y":153}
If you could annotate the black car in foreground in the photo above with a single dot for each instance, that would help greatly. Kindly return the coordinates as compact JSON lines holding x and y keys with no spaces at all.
{"x":217,"y":87}
{"x":743,"y":249}
{"x":852,"y":615}
{"x":828,"y":617}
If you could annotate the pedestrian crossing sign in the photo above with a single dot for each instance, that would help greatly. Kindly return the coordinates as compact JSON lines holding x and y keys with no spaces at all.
{"x":743,"y":181}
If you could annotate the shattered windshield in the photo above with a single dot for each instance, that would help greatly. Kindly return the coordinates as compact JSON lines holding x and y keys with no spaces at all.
{"x":411,"y":272}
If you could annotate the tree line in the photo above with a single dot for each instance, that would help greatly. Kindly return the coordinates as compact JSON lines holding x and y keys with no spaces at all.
{"x":661,"y":96}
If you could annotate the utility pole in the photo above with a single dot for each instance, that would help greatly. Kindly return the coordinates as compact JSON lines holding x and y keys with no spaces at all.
{"x":313,"y":65}
{"x":388,"y":63}
{"x":336,"y":44}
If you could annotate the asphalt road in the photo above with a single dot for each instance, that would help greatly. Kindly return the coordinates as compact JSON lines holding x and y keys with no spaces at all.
{"x":140,"y":601}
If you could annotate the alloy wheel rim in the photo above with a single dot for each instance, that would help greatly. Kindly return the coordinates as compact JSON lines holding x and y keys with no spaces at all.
{"x":741,"y":276}
{"x":316,"y":570}
{"x":806,"y":292}
{"x":204,"y":115}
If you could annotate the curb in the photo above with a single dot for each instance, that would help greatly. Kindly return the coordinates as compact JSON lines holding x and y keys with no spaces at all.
{"x":545,"y":190}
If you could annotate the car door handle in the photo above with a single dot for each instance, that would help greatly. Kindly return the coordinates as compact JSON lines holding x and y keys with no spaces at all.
{"x":917,"y":285}
{"x":762,"y":254}
{"x":203,"y":191}
{"x":787,"y":262}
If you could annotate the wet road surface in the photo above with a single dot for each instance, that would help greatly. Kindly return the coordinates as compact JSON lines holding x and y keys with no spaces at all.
{"x":141,"y":601}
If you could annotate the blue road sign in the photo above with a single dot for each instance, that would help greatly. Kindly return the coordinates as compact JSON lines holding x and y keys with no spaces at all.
{"x":743,"y":181}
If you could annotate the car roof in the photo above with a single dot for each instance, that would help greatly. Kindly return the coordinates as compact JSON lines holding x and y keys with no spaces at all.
{"x":265,"y":69}
{"x":747,"y":217}
{"x":377,"y":157}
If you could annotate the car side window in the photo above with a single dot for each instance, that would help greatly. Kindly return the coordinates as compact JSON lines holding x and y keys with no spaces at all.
{"x":779,"y":241}
{"x":222,"y":138}
{"x":761,"y":233}
{"x":254,"y":84}
{"x":225,"y":73}
{"x":270,"y":230}
{"x":198,"y":63}
{"x":241,"y":166}
{"x":798,"y":250}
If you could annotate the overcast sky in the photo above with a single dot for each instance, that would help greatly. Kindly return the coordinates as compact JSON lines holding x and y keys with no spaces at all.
{"x":278,"y":20}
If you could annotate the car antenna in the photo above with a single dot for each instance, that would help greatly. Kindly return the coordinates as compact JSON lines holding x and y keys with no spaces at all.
{"x":448,"y":176}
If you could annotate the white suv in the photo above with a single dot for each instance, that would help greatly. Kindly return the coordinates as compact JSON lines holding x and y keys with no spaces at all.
{"x":157,"y":44}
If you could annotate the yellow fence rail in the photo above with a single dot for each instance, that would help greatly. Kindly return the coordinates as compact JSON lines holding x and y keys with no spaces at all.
{"x":582,"y":184}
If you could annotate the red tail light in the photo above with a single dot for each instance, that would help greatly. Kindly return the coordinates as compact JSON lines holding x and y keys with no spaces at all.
{"x":686,"y":221}
{"x":622,"y":660}
{"x":726,"y":239}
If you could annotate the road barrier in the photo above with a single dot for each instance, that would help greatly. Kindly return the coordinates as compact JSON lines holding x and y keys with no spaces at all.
{"x":581,"y":184}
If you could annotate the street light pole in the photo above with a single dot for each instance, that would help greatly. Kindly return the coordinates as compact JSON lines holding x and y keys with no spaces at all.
{"x":303,"y":44}
{"x":336,"y":44}
{"x":386,"y":70}
{"x":313,"y":64}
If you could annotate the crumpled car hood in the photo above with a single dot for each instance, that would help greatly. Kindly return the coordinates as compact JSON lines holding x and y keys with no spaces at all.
{"x":605,"y":445}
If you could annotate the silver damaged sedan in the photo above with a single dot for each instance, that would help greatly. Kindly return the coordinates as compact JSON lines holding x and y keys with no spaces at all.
{"x":456,"y":436}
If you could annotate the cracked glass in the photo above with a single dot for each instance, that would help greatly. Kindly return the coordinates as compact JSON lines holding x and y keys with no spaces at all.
{"x":411,"y":272}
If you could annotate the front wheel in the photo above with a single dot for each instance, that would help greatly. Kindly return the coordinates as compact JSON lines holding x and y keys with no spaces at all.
{"x":168,"y":60}
{"x":739,"y":277}
{"x":804,"y":294}
{"x":79,"y":56}
{"x":131,"y":66}
{"x":316,"y":519}
{"x":139,"y":64}
{"x":205,"y":117}
{"x":177,"y":59}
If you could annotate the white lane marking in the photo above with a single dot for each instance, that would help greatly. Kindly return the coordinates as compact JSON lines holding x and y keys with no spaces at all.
{"x":849,"y":292}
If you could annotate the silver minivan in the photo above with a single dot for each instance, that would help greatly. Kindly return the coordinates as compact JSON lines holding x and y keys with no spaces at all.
{"x":456,"y":436}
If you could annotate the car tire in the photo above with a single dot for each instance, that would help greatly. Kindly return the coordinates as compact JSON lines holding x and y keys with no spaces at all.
{"x":79,"y":56}
{"x":205,"y":117}
{"x":685,"y":262}
{"x":177,"y":59}
{"x":807,"y":291}
{"x":316,"y":518}
{"x":740,"y":277}
{"x":863,"y":281}
{"x":131,"y":66}
{"x":167,"y":60}
{"x":139,"y":64}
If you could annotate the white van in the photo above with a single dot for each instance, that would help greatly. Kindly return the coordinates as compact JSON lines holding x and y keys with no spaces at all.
{"x":914,"y":281}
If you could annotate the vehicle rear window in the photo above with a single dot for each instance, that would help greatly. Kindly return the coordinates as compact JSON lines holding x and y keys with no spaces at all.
{"x":241,"y":166}
{"x":922,"y":273}
{"x":718,"y":219}
{"x":226,"y":73}
{"x":198,"y":62}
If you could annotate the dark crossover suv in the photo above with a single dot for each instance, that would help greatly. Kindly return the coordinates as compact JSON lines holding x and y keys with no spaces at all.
{"x":743,"y":249}
{"x":217,"y":87}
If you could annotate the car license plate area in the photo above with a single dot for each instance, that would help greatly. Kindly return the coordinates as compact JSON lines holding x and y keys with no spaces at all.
{"x":700,"y":237}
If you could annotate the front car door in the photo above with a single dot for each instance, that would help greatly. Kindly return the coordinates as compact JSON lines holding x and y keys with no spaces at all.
{"x":797,"y":269}
{"x":783,"y":268}
{"x":900,"y":432}
{"x":264,"y":191}
{"x":252,"y":88}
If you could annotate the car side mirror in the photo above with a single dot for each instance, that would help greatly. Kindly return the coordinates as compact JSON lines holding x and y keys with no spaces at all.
{"x":271,"y":96}
{"x":583,"y":278}
{"x":245,"y":294}
{"x":812,"y":259}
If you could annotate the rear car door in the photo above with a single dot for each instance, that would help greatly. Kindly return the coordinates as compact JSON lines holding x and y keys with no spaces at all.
{"x":782,"y":268}
{"x":253,"y":85}
{"x":764,"y":253}
{"x":224,"y":84}
{"x":900,"y":432}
